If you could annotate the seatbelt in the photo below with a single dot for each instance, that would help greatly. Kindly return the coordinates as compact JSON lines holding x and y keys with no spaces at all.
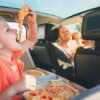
{"x":52,"y":53}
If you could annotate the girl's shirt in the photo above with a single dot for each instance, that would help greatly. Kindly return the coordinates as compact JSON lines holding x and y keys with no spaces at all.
{"x":10,"y":70}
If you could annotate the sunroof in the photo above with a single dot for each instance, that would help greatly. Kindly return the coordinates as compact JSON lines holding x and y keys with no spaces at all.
{"x":60,"y":8}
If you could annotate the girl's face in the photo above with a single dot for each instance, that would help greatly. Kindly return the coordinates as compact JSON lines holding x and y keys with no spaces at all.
{"x":64,"y":34}
{"x":8,"y":37}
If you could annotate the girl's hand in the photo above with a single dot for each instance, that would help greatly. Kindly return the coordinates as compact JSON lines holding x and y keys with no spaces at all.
{"x":31,"y":17}
{"x":31,"y":21}
{"x":26,"y":83}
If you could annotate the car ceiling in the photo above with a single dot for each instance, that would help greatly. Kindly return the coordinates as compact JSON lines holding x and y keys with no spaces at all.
{"x":54,"y":10}
{"x":60,"y":8}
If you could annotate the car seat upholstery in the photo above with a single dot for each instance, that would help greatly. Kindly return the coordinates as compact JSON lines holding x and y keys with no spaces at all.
{"x":46,"y":55}
{"x":87,"y":61}
{"x":27,"y":59}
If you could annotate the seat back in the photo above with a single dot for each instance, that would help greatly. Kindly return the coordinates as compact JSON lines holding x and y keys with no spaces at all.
{"x":27,"y":59}
{"x":41,"y":57}
{"x":87,"y":61}
{"x":87,"y":65}
{"x":40,"y":53}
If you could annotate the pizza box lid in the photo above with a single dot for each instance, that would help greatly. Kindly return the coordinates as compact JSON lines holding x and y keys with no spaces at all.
{"x":46,"y":78}
{"x":42,"y":82}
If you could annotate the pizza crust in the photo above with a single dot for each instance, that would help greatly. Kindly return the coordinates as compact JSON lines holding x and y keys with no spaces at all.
{"x":35,"y":73}
{"x":21,"y":15}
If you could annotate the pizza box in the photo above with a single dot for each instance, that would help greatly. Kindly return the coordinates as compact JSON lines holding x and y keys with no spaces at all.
{"x":91,"y":94}
{"x":52,"y":76}
{"x":43,"y":82}
{"x":43,"y":77}
{"x":51,"y":85}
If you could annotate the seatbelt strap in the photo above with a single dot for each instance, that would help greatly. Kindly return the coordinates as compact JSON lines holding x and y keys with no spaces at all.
{"x":52,"y":53}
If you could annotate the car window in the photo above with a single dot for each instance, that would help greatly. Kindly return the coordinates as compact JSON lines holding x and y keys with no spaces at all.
{"x":76,"y":27}
{"x":15,"y":25}
{"x":41,"y":32}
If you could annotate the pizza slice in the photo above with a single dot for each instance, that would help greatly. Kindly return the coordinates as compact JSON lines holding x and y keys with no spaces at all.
{"x":21,"y":15}
{"x":35,"y":73}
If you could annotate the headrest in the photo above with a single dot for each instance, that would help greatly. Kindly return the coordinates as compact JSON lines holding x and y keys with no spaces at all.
{"x":51,"y":35}
{"x":91,"y":25}
{"x":50,"y":32}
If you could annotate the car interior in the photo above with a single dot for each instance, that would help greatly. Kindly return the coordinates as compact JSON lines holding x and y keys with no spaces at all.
{"x":45,"y":56}
{"x":87,"y":70}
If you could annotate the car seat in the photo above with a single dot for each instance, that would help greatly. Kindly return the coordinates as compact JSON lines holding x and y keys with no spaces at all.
{"x":27,"y":60}
{"x":87,"y":61}
{"x":46,"y":55}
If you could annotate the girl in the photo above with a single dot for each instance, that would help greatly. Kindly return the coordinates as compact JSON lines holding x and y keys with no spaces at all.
{"x":12,"y":81}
